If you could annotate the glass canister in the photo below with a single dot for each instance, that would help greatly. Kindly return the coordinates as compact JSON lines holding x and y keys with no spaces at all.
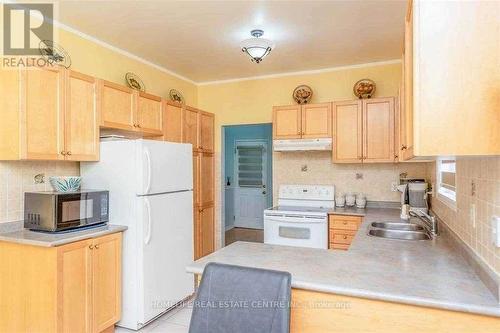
{"x":340,"y":200}
{"x":350,"y":199}
{"x":360,"y":200}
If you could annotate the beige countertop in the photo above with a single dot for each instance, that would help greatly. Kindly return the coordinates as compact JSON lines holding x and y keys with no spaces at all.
{"x":425,"y":273}
{"x":15,"y":233}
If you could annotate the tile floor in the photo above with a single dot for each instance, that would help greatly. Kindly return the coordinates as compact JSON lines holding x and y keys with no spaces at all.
{"x":175,"y":321}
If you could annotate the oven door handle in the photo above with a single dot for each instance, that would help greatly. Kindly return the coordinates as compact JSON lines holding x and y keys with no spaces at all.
{"x":309,"y":219}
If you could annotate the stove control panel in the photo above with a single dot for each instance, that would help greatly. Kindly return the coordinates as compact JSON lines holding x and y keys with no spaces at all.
{"x":307,"y":192}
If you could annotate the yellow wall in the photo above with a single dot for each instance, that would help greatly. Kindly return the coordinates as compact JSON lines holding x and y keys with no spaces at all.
{"x":96,"y":60}
{"x":250,"y":102}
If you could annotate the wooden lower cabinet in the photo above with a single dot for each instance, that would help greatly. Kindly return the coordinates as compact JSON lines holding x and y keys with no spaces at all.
{"x":341,"y":230}
{"x":73,"y":288}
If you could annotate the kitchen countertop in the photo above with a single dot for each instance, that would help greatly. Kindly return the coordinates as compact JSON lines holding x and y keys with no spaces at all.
{"x":425,"y":273}
{"x":17,"y":234}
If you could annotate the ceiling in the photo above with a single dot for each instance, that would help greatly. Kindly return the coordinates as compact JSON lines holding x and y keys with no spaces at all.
{"x":200,"y":39}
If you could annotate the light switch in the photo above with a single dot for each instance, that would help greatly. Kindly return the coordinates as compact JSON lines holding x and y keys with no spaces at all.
{"x":495,"y":229}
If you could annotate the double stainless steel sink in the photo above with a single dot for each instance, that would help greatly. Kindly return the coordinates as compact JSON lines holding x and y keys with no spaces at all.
{"x":398,"y":230}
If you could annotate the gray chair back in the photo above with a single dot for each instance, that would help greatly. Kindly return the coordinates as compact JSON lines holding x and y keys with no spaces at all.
{"x":233,"y":299}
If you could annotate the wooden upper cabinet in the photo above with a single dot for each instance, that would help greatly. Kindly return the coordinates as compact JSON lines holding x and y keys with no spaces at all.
{"x":117,"y":106}
{"x":378,"y":130}
{"x":172,"y":122}
{"x":347,"y":132}
{"x":287,"y":122}
{"x":206,"y":135}
{"x":81,"y":134}
{"x":206,"y":186}
{"x":42,"y":114}
{"x":106,"y":281}
{"x":75,"y":283}
{"x":406,"y":149}
{"x":149,"y":115}
{"x":190,"y":127}
{"x":317,"y":120}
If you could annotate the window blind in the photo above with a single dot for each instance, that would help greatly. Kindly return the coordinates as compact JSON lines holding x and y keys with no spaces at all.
{"x":250,"y":166}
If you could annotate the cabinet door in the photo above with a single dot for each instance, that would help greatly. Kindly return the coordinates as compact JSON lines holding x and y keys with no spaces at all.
{"x":287,"y":122}
{"x":378,"y":130}
{"x":74,"y":275}
{"x":149,"y":114}
{"x":206,"y":131}
{"x":172,"y":122}
{"x":106,"y":281}
{"x":117,"y":106}
{"x":317,"y":120}
{"x":407,"y":110}
{"x":206,"y":179}
{"x":207,"y":242}
{"x":42,"y":93}
{"x":81,"y":118}
{"x":190,"y":127}
{"x":347,"y":132}
{"x":196,"y":178}
{"x":197,"y":233}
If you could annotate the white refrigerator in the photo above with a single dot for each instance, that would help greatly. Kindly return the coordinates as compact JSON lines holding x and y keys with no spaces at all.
{"x":150,"y":187}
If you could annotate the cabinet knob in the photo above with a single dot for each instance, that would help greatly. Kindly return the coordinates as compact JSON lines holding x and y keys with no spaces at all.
{"x":404,"y":147}
{"x":96,"y":247}
{"x":345,"y":222}
{"x":200,"y":210}
{"x":63,"y":152}
{"x":345,"y":237}
{"x":135,"y":125}
{"x":91,"y":246}
{"x":139,"y":126}
{"x":68,"y":153}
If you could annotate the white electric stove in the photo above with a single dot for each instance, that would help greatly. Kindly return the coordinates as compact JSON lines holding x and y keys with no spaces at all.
{"x":301,"y":217}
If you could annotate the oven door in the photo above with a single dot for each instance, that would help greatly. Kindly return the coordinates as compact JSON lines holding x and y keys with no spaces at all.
{"x":296,"y":230}
{"x":81,"y":209}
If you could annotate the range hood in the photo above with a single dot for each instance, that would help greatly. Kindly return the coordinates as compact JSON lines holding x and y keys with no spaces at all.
{"x":302,"y":144}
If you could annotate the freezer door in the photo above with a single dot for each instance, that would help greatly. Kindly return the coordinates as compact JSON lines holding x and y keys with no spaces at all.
{"x":167,"y":248}
{"x":163,"y":167}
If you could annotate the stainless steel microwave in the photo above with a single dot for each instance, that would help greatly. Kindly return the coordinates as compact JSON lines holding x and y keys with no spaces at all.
{"x":57,"y":211}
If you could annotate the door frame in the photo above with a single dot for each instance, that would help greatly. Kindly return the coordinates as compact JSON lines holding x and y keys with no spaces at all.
{"x":222,"y":181}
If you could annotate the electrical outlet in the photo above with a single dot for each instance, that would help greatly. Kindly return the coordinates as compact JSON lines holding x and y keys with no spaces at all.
{"x":495,"y":230}
{"x":394,"y":186}
{"x":473,"y":214}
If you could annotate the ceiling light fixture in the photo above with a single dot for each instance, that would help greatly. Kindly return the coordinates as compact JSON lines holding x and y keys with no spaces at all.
{"x":257,"y":48}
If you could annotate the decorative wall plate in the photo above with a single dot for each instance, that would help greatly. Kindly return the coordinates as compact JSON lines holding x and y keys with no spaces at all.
{"x":302,"y":94}
{"x":176,"y":96}
{"x":364,"y":88}
{"x":134,"y":82}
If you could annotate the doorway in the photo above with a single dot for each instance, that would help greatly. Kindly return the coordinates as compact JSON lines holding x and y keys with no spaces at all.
{"x":247,"y":172}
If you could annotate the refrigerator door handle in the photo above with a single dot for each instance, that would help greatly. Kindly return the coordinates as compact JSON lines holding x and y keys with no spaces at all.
{"x":148,"y":160}
{"x":148,"y":233}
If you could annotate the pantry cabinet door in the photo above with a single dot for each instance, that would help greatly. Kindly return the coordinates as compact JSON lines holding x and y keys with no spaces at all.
{"x":106,"y":281}
{"x":287,"y":122}
{"x":190,"y":127}
{"x":206,"y":181}
{"x":117,"y":106}
{"x":317,"y":120}
{"x":81,"y":118}
{"x":347,"y":132}
{"x":42,"y":114}
{"x":74,"y":275}
{"x":207,"y":230}
{"x":149,"y":114}
{"x":172,"y":122}
{"x":206,"y":131}
{"x":378,"y":130}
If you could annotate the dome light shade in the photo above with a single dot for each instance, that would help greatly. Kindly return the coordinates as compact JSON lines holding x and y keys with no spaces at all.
{"x":257,"y":48}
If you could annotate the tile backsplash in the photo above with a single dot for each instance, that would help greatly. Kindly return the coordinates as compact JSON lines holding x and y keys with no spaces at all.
{"x":17,"y":177}
{"x":374,"y":180}
{"x":484,"y":173}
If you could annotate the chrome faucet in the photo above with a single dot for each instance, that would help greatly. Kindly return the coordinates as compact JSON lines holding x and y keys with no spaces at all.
{"x":429,"y":222}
